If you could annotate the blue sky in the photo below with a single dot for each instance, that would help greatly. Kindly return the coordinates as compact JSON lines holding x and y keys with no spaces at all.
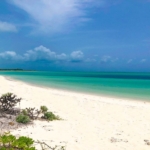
{"x":75,"y":35}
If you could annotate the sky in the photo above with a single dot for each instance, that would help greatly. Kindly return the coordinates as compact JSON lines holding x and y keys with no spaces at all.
{"x":75,"y":35}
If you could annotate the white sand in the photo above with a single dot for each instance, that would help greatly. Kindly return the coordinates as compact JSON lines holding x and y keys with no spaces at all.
{"x":90,"y":122}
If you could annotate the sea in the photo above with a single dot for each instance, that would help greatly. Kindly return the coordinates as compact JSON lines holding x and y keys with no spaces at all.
{"x":111,"y":84}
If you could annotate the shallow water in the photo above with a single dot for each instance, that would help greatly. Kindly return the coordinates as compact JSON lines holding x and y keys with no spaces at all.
{"x":125,"y":85}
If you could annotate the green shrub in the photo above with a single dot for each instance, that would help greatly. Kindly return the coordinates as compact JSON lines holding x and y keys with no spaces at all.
{"x":32,"y":113}
{"x":22,"y":119}
{"x":24,"y":112}
{"x":10,"y":142}
{"x":8,"y":101}
{"x":24,"y":142}
{"x":44,"y":109}
{"x":50,"y":116}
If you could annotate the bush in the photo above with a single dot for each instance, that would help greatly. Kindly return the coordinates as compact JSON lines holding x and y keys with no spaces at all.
{"x":44,"y":109}
{"x":24,"y":112}
{"x":22,"y":119}
{"x":10,"y":142}
{"x":8,"y":101}
{"x":32,"y":113}
{"x":50,"y":116}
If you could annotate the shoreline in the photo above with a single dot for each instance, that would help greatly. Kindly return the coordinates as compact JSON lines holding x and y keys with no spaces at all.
{"x":77,"y":92}
{"x":89,"y":122}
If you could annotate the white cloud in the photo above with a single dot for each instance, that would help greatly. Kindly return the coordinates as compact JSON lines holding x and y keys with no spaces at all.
{"x":58,"y":15}
{"x":10,"y":55}
{"x":143,"y":60}
{"x":90,"y":60}
{"x":105,"y":59}
{"x":7,"y":27}
{"x":42,"y":53}
{"x":129,"y":61}
{"x":77,"y":56}
{"x":115,"y":59}
{"x":62,"y":56}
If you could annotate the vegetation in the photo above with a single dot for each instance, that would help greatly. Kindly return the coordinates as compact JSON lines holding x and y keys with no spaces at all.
{"x":8,"y":101}
{"x":32,"y":113}
{"x":50,"y":116}
{"x":22,"y":119}
{"x":17,"y":69}
{"x":11,"y":69}
{"x":44,"y":109}
{"x":10,"y":142}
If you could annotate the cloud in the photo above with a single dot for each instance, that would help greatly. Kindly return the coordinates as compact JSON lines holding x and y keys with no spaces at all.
{"x":7,"y":27}
{"x":105,"y":59}
{"x":129,"y":61}
{"x":42,"y":53}
{"x":10,"y":55}
{"x":62,"y":56}
{"x":143,"y":60}
{"x":77,"y":56}
{"x":90,"y":60}
{"x":58,"y":15}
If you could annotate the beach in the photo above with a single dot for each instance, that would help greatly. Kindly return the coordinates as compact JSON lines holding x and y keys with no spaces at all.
{"x":89,"y":122}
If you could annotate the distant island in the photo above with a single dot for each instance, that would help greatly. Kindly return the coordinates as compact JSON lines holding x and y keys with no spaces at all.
{"x":15,"y":69}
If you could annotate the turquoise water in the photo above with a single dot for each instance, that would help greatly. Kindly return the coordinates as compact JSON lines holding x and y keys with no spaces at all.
{"x":125,"y":85}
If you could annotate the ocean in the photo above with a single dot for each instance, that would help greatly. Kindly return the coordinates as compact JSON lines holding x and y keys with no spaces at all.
{"x":112,"y":84}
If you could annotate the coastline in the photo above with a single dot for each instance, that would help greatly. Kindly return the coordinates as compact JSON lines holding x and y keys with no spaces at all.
{"x":90,"y":121}
{"x":78,"y":92}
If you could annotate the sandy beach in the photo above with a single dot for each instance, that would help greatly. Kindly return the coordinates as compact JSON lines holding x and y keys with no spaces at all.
{"x":89,"y":122}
